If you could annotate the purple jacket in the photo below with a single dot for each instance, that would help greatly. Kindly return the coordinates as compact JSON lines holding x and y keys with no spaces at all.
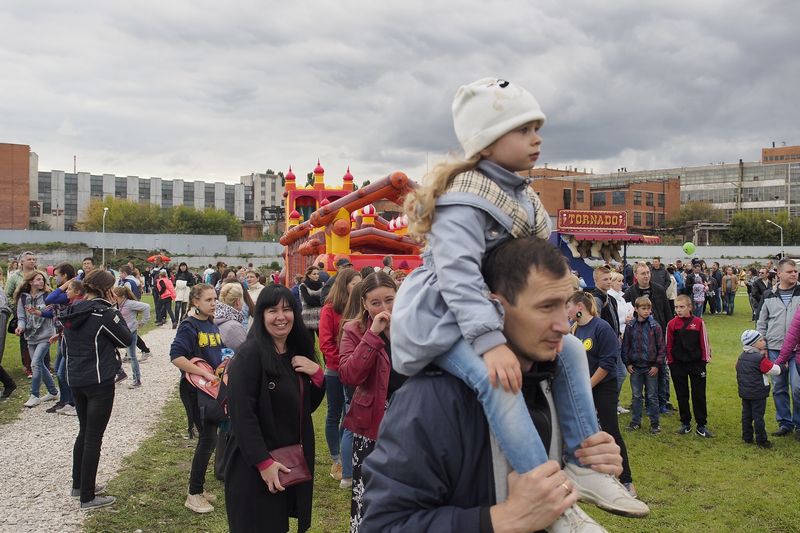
{"x":790,"y":341}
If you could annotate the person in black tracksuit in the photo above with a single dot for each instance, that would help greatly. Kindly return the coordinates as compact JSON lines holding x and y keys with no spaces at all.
{"x":93,"y":330}
{"x":752,"y":369}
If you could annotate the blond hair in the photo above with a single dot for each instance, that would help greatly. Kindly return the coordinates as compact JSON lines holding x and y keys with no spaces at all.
{"x":230,"y":292}
{"x":616,"y":276}
{"x":421,"y":202}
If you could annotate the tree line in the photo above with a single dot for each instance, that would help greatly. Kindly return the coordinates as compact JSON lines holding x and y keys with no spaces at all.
{"x":126,"y":216}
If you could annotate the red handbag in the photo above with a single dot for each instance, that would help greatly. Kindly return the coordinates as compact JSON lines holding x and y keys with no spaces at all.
{"x":292,"y":456}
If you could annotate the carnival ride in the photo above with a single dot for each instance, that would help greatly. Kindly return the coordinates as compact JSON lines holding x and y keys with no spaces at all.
{"x":325,"y":224}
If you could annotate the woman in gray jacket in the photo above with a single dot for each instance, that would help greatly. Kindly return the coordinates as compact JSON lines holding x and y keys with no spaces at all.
{"x":29,"y":298}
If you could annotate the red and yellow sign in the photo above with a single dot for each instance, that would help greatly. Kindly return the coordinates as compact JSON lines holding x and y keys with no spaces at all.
{"x":586,"y":220}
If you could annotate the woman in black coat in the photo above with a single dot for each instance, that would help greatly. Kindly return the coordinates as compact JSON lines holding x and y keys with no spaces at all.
{"x":267,"y":412}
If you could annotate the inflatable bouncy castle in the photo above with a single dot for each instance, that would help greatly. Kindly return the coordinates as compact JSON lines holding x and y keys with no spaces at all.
{"x":325,"y":224}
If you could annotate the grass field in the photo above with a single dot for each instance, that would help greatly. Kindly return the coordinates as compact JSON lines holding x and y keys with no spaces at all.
{"x":691,"y":484}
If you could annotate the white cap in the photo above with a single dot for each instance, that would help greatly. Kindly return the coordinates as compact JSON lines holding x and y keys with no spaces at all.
{"x":487,"y":109}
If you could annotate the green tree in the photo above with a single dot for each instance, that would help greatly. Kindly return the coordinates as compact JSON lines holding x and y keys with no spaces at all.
{"x":750,"y":227}
{"x":695,"y":211}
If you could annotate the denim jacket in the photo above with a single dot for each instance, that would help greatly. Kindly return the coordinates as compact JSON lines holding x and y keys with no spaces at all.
{"x":446,"y":298}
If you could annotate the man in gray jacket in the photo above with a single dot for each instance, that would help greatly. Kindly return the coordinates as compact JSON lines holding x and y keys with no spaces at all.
{"x":778,"y":307}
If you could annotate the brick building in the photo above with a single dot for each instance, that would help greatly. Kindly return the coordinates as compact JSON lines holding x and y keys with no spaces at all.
{"x":15,"y":176}
{"x":785,"y":154}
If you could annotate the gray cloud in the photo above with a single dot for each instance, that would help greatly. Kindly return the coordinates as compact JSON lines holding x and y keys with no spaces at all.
{"x":202,"y":90}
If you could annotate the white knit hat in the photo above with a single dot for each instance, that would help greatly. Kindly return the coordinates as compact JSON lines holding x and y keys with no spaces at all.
{"x":750,"y":337}
{"x":487,"y":109}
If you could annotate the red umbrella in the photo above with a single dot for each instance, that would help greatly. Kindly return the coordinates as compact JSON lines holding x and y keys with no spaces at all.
{"x":153,"y":258}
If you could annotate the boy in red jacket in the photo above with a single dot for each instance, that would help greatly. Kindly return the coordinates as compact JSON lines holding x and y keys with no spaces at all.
{"x":688,"y":352}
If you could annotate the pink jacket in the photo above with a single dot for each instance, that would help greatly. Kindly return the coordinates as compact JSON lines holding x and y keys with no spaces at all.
{"x":790,"y":342}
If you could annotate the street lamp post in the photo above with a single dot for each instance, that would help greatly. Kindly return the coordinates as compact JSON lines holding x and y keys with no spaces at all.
{"x":780,"y":228}
{"x":105,"y":212}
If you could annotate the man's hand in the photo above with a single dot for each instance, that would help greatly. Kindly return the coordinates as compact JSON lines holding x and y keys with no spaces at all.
{"x":599,"y":452}
{"x":630,"y":369}
{"x":653,"y":372}
{"x":535,"y":500}
{"x":503,"y":366}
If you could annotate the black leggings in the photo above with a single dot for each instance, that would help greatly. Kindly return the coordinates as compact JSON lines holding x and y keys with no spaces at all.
{"x":93,"y":404}
{"x":605,"y":401}
{"x":141,"y":344}
{"x":206,"y":442}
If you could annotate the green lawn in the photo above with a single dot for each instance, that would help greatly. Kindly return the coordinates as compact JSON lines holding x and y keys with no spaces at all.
{"x":691,"y":484}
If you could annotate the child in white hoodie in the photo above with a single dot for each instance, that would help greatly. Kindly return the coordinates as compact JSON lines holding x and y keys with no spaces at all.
{"x":130,"y":308}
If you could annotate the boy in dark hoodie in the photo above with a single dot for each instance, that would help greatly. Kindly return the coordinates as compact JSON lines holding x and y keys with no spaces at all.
{"x":643,"y":353}
{"x":752,"y":370}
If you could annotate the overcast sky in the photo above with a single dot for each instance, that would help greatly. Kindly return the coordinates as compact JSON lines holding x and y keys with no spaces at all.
{"x":215,"y":90}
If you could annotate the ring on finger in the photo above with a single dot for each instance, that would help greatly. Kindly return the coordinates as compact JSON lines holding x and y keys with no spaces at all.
{"x":567,"y":488}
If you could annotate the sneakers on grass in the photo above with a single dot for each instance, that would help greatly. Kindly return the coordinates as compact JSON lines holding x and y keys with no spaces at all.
{"x":704,"y":432}
{"x":605,"y":491}
{"x":684,"y":429}
{"x":574,"y":520}
{"x":97,"y":502}
{"x":198,"y":504}
{"x":346,"y":483}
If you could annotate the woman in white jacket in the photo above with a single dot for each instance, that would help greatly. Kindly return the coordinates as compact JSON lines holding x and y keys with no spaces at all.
{"x":130,"y":308}
{"x":624,"y":309}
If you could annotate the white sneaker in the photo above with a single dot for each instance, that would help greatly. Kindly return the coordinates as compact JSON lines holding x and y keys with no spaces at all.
{"x":33,"y":401}
{"x":622,"y":411}
{"x":574,"y":520}
{"x":346,"y":483}
{"x":198,"y":504}
{"x":68,"y":410}
{"x":605,"y":491}
{"x":49,"y":397}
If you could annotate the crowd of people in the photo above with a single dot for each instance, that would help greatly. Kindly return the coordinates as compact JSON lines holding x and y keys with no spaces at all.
{"x":479,"y":392}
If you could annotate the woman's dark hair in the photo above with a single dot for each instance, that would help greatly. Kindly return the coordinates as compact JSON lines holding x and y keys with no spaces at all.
{"x":671,"y":269}
{"x":226,"y":272}
{"x":367,"y":271}
{"x":299,"y":341}
{"x":67,"y":270}
{"x":98,"y":283}
{"x":25,"y":286}
{"x":183,"y":264}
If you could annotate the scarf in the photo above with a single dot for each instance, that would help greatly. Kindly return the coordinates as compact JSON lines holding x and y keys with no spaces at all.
{"x":224,"y":311}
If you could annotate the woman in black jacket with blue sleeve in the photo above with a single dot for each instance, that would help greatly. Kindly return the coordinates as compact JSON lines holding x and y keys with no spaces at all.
{"x":93,"y":330}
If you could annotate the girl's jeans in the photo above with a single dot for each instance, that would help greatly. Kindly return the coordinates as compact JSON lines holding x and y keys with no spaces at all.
{"x":698,"y":309}
{"x":39,"y":353}
{"x":508,"y":416}
{"x":333,"y":422}
{"x":65,"y":392}
{"x":137,"y":376}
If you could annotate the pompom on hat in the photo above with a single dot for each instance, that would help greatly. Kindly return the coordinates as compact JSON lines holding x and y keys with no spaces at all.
{"x":487,"y":109}
{"x":750,"y":337}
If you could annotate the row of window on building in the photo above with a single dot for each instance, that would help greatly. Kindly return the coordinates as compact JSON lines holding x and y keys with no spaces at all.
{"x":619,"y":198}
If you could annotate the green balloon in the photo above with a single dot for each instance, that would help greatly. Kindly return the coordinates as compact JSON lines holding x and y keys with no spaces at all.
{"x":689,"y":248}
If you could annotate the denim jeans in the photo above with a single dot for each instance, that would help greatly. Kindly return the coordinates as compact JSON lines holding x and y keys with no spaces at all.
{"x":698,"y":309}
{"x":663,"y":385}
{"x":729,"y":297}
{"x":641,"y":380}
{"x":93,"y":404}
{"x":786,"y":415}
{"x":622,"y":373}
{"x":718,"y":299}
{"x":334,"y":390}
{"x":65,"y":392}
{"x":347,"y":444}
{"x":137,"y":375}
{"x":39,"y":358}
{"x":508,"y":415}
